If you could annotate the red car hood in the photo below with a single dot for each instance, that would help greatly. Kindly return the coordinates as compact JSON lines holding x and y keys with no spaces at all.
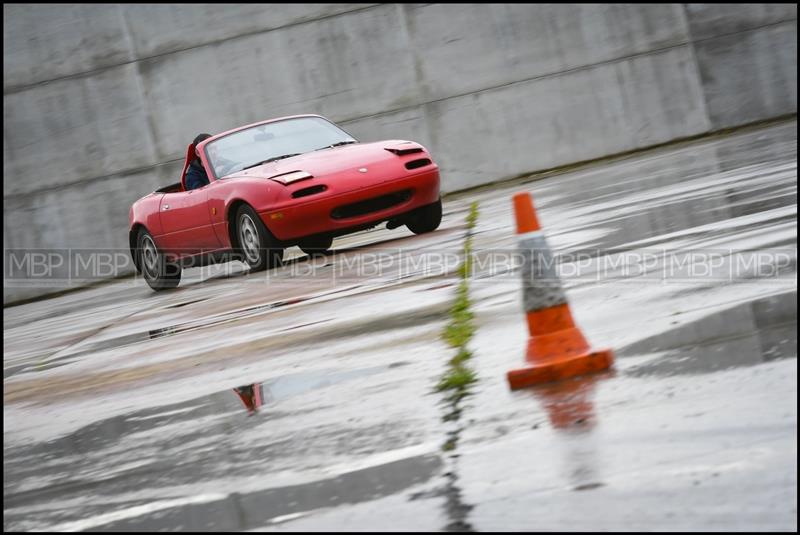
{"x":328,"y":162}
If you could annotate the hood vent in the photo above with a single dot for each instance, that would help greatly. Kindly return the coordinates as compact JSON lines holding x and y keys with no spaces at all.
{"x":403,"y":152}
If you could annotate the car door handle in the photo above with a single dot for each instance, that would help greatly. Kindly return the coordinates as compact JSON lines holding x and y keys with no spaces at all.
{"x":166,"y":207}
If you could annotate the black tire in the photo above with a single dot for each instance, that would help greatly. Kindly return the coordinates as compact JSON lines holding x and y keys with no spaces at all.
{"x":318,"y":245}
{"x":157,"y":270}
{"x":425,"y":219}
{"x":256,"y":246}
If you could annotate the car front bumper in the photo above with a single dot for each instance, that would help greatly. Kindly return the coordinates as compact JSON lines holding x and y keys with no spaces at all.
{"x":313,"y":215}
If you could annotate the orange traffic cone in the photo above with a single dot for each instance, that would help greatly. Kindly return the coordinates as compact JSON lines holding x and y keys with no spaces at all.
{"x":556,"y":348}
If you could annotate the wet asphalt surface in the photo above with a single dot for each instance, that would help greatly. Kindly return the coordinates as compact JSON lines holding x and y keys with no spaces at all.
{"x":127,"y":410}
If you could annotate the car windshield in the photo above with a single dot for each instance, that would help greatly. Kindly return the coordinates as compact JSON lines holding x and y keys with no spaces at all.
{"x":249,"y":147}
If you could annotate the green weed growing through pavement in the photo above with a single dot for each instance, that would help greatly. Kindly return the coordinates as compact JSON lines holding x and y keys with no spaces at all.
{"x":461,"y":328}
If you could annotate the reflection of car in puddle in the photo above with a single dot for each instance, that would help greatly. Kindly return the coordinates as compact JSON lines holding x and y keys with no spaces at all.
{"x":252,"y":396}
{"x":275,"y":390}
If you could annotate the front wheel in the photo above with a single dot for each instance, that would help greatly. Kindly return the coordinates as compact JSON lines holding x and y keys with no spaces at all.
{"x":158,"y":272}
{"x":258,"y":248}
{"x":425,"y":219}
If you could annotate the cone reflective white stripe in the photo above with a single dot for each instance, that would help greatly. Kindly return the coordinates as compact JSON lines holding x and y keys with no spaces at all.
{"x":556,"y":347}
{"x":541,"y":287}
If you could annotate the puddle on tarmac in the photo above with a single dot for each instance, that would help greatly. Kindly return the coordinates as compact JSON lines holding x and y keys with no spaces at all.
{"x":271,"y":392}
{"x":647,"y":196}
{"x":207,"y":438}
{"x":244,"y":510}
{"x":744,"y":335}
{"x":135,"y":338}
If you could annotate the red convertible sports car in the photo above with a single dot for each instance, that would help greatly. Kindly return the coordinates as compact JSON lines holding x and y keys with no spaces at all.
{"x":297,"y":180}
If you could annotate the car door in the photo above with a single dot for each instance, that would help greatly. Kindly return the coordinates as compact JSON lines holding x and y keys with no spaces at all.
{"x":186,"y":223}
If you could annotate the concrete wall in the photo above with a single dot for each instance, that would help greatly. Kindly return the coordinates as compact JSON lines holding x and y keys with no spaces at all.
{"x":101,"y":100}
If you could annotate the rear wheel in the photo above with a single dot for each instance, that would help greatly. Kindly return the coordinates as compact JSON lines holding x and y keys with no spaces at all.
{"x":158,"y":272}
{"x":425,"y":219}
{"x":258,"y":248}
{"x":318,"y":245}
